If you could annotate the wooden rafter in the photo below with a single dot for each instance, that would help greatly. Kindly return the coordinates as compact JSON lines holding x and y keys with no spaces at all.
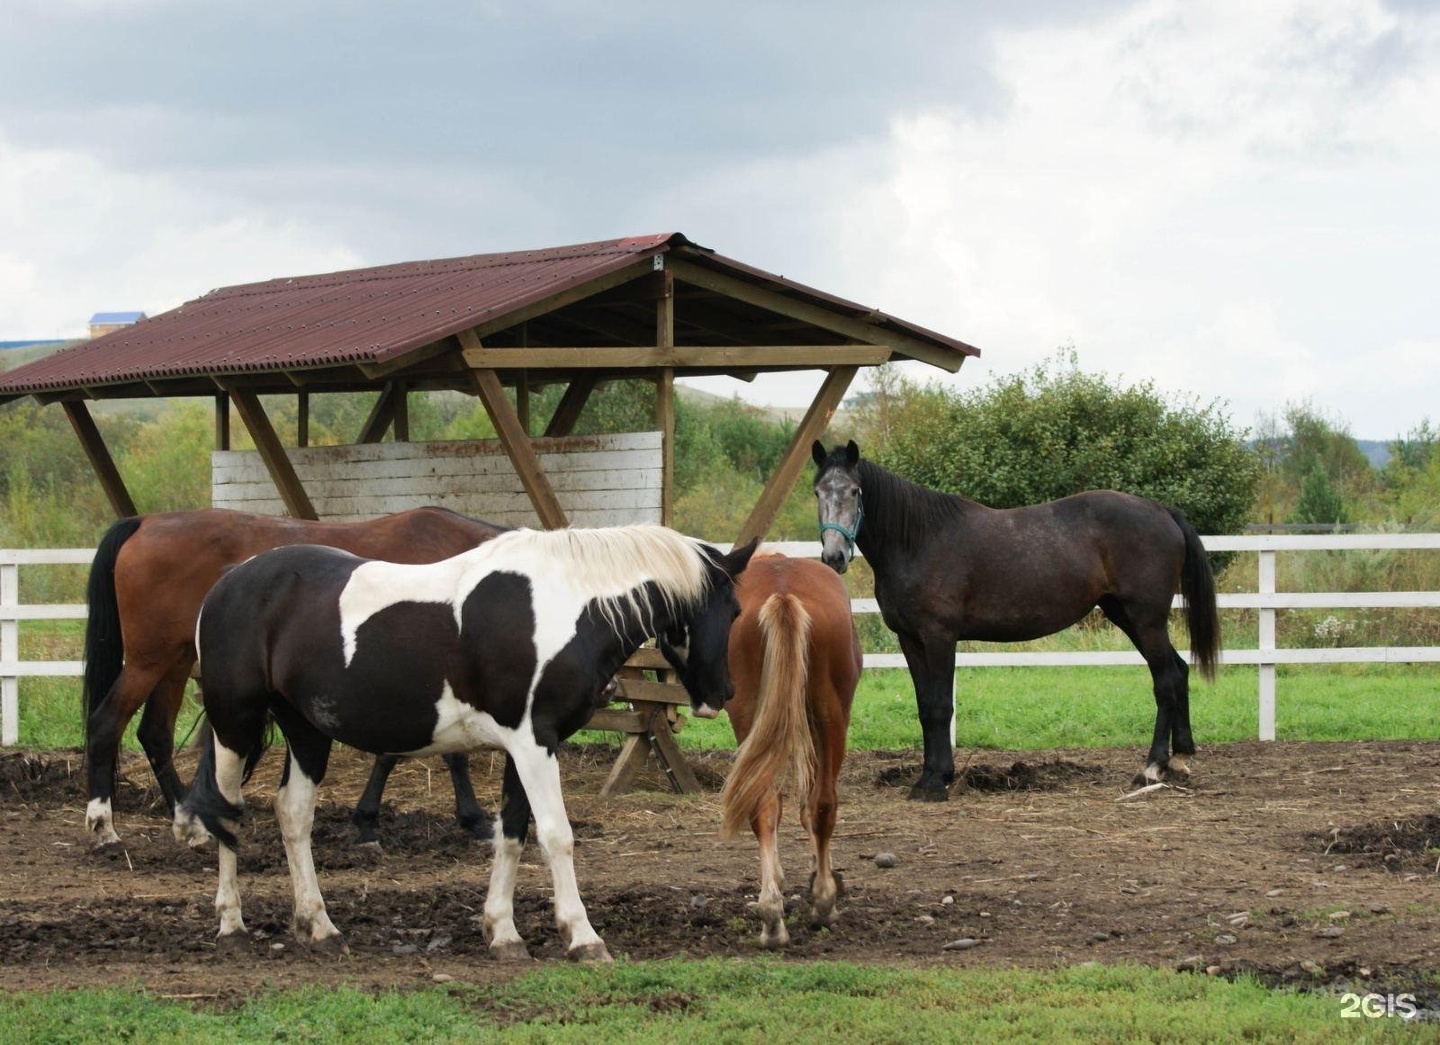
{"x":100,"y":460}
{"x":647,"y":358}
{"x":761,"y":297}
{"x":282,"y":472}
{"x":560,"y":300}
{"x":811,"y":427}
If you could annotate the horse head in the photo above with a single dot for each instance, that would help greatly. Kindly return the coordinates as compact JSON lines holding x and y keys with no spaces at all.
{"x":697,"y":641}
{"x":839,"y":502}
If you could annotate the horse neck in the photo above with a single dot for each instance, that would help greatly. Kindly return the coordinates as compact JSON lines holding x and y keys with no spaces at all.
{"x":901,"y":516}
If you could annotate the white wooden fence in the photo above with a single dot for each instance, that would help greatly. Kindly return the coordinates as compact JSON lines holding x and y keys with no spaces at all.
{"x":1265,"y":599}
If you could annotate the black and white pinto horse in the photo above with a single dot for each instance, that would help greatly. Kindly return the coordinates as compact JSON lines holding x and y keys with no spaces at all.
{"x":508,"y":645}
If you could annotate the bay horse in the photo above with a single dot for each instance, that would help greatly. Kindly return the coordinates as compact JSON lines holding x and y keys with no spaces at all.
{"x":948,"y":568}
{"x":795,"y":661}
{"x":146,"y":583}
{"x":508,"y":645}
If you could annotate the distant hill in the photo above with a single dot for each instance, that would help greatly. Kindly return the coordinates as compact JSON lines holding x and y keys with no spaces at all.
{"x":1377,"y":451}
{"x":17,"y":353}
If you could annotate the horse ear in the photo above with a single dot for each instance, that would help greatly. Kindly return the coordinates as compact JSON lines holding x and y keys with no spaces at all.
{"x":735,"y":561}
{"x":817,"y":451}
{"x":852,"y":454}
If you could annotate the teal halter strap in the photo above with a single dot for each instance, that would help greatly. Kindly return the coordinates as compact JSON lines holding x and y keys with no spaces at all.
{"x":849,"y":535}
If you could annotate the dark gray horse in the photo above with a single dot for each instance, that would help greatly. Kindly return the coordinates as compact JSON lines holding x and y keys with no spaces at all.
{"x":947,"y":568}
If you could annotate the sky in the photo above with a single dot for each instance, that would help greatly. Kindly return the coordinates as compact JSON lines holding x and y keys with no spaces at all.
{"x":1237,"y":201}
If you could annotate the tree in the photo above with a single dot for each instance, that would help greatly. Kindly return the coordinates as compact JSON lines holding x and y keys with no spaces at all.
{"x":1055,"y":430}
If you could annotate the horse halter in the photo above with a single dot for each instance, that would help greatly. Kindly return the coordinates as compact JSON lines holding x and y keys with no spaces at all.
{"x":848,"y":534}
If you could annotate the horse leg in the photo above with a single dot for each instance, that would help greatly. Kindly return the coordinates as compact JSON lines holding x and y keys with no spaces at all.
{"x":233,"y":935}
{"x":367,"y":810}
{"x":1153,"y":642}
{"x":766,"y":825}
{"x":156,"y":731}
{"x":539,"y":773}
{"x":509,"y":839}
{"x":1183,"y":742}
{"x":932,"y":670}
{"x":468,"y":812}
{"x":104,"y":729}
{"x":824,"y":882}
{"x":309,"y":753}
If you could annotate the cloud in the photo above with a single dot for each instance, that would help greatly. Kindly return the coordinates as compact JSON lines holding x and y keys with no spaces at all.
{"x":77,"y":236}
{"x":1225,"y":196}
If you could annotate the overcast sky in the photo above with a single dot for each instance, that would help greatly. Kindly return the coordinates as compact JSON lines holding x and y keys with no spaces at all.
{"x":1236,"y":200}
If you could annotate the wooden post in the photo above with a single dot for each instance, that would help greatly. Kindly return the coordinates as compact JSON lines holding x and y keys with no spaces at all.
{"x":302,"y":419}
{"x":282,"y":472}
{"x":222,"y":422}
{"x":402,"y":412}
{"x":665,"y":396}
{"x":100,"y":459}
{"x":811,"y":427}
{"x":522,"y":400}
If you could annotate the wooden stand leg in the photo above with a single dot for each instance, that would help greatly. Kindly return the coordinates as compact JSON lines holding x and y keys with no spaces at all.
{"x":632,"y":757}
{"x":682,"y":777}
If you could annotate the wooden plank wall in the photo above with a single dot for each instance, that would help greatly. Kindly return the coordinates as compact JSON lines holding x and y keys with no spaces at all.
{"x":604,"y":480}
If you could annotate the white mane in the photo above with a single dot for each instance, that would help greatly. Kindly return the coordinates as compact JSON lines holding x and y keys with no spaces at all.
{"x":614,"y":562}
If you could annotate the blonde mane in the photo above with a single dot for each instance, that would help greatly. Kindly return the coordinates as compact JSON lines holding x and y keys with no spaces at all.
{"x":615,"y":562}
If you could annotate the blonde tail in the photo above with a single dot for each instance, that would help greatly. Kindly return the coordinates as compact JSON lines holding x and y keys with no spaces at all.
{"x":781,"y":736}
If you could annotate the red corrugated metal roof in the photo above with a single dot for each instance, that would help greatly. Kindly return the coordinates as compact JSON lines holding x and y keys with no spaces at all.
{"x":366,"y":316}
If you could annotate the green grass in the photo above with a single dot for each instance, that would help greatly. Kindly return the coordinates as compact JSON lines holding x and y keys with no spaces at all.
{"x":1013,"y":708}
{"x":756,"y":1000}
{"x":1038,"y":708}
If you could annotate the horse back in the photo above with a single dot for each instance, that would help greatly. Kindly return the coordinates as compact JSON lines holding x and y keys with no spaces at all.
{"x":834,"y":657}
{"x":164,"y":570}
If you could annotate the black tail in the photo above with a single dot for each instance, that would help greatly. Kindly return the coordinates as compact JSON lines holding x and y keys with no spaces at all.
{"x":204,"y":798}
{"x":1197,"y":585}
{"x":104,"y":645}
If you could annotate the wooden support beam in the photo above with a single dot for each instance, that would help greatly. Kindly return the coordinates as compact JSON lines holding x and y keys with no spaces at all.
{"x":684,"y":356}
{"x":522,"y":401}
{"x":401,"y":423}
{"x":571,"y":405}
{"x":517,"y":444}
{"x":811,"y":427}
{"x":302,"y":419}
{"x":100,"y":460}
{"x":282,"y":472}
{"x":222,"y":422}
{"x":665,"y":396}
{"x":815,"y":315}
{"x":381,"y":415}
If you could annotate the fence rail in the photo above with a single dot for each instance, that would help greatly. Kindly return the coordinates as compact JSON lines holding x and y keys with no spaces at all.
{"x":1265,"y":600}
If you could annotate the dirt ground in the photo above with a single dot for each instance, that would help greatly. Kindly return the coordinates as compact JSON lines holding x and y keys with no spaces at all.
{"x":1313,"y":864}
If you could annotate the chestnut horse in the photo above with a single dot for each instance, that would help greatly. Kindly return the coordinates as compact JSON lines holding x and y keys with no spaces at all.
{"x":147,"y":580}
{"x":795,"y":660}
{"x":948,"y":568}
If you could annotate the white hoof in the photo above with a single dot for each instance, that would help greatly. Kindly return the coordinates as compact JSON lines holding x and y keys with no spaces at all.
{"x":187,"y":828}
{"x":100,"y":824}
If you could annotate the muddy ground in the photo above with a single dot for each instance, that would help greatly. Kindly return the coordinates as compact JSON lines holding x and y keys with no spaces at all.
{"x":1313,"y":864}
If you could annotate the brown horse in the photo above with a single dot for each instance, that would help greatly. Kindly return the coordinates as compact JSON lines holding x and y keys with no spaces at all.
{"x":147,"y":580}
{"x":795,"y":660}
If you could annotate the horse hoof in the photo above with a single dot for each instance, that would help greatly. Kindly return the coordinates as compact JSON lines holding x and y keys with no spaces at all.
{"x":233,"y":943}
{"x":328,"y":946}
{"x":513,"y":951}
{"x":589,"y":952}
{"x":929,"y":794}
{"x":482,"y":830}
{"x":775,"y":941}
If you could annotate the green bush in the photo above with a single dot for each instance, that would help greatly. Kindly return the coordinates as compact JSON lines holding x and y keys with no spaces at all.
{"x":1056,"y":430}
